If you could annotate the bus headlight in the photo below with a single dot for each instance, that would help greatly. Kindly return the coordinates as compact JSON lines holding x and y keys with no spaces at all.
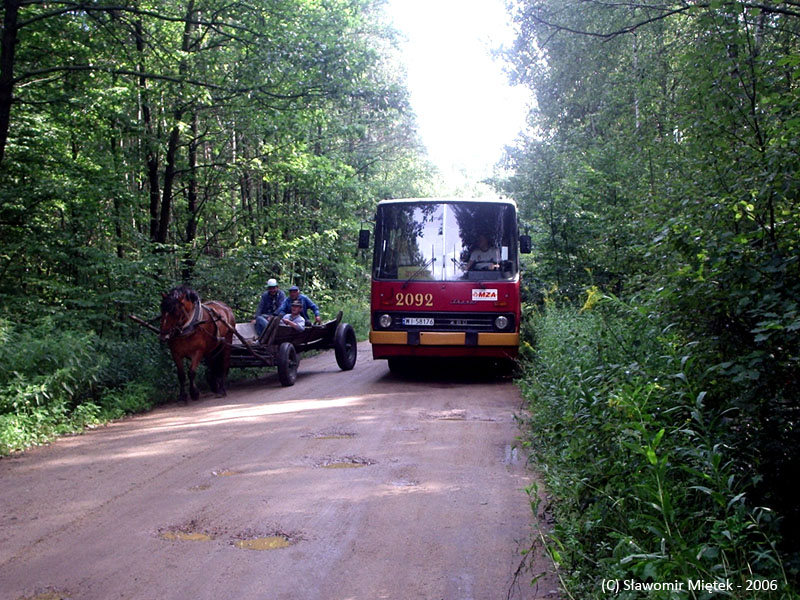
{"x":501,"y":322}
{"x":385,"y":321}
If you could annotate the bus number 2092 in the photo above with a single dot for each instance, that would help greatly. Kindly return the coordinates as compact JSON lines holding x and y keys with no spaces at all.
{"x":410,"y":299}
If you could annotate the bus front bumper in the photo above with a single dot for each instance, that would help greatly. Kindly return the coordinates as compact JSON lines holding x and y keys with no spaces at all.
{"x":431,"y":343}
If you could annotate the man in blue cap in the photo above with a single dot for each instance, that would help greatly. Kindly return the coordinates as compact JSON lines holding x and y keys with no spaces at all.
{"x":294,"y":294}
{"x":271,"y":302}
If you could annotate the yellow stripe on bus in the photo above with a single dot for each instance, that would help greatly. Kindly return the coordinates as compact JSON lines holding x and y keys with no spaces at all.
{"x":388,"y":337}
{"x":498,"y":339}
{"x":437,"y":338}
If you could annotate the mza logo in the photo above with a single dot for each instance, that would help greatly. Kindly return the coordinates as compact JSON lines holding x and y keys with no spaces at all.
{"x":479,"y":295}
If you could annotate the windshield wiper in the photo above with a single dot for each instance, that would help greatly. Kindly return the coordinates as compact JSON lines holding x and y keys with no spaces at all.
{"x":418,"y":271}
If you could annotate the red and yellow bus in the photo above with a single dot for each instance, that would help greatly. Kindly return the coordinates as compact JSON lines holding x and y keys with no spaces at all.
{"x":445,"y":279}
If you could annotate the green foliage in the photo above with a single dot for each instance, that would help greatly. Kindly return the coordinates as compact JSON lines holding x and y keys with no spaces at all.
{"x":55,"y":380}
{"x":663,"y":164}
{"x":275,"y":138}
{"x":133,"y":397}
{"x":50,"y":366}
{"x":356,"y":311}
{"x":623,"y":422}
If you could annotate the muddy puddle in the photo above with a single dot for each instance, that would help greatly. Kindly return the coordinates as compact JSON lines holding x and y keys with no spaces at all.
{"x":185,"y":536}
{"x":264,"y":539}
{"x":49,"y":595}
{"x":404,"y":483}
{"x":330,"y":434}
{"x":445,"y":415}
{"x":273,"y":542}
{"x":344,"y":462}
{"x":193,"y":530}
{"x":225,"y":473}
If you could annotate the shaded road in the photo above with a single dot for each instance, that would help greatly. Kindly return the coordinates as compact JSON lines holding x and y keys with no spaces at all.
{"x":378,"y":487}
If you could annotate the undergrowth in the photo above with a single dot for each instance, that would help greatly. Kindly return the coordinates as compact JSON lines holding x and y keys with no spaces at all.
{"x":626,"y":428}
{"x":354,"y":307}
{"x":55,"y":380}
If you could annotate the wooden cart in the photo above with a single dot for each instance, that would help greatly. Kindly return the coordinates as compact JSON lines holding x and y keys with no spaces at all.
{"x":280,"y":346}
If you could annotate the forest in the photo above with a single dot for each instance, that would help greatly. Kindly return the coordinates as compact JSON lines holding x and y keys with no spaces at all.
{"x":148,"y":144}
{"x":214,"y":143}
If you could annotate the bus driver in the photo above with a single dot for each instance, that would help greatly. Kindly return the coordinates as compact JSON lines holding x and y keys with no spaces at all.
{"x":484,"y":257}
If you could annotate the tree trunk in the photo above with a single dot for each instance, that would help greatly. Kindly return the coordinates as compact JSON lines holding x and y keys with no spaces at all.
{"x":192,"y":207}
{"x":169,"y":179}
{"x":7,"y":47}
{"x":150,"y":139}
{"x":172,"y":148}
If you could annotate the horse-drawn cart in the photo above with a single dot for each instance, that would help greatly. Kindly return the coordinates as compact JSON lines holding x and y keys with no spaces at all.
{"x":198,"y":331}
{"x":280,"y":346}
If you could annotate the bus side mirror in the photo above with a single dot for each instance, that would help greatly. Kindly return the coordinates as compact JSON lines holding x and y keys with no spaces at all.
{"x":525,"y":244}
{"x":363,"y":239}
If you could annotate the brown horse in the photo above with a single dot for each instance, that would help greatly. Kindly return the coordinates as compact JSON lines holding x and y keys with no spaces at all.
{"x":197,"y":331}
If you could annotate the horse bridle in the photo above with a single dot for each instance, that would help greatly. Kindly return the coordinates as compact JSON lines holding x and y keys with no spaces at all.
{"x":192,"y":320}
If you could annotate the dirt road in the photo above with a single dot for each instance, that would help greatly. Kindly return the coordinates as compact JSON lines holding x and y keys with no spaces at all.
{"x":348,"y":486}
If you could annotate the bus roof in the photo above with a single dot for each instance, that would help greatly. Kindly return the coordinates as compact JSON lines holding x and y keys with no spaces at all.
{"x":449,"y":200}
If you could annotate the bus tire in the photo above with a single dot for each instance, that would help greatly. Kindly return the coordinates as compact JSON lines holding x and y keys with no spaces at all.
{"x":287,"y":364}
{"x":345,"y":346}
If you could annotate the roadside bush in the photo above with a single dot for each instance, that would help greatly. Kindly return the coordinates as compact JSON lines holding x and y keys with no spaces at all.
{"x":133,"y":397}
{"x":47,"y":366}
{"x":356,"y":312}
{"x":55,"y":380}
{"x":627,"y":428}
{"x":37,"y":426}
{"x":140,"y":357}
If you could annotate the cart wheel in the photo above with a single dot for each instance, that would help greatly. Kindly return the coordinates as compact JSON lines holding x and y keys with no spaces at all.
{"x":345,"y":346}
{"x":287,"y":364}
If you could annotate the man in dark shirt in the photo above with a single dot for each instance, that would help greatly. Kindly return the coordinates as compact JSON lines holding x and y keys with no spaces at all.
{"x":307,"y":303}
{"x":271,"y":302}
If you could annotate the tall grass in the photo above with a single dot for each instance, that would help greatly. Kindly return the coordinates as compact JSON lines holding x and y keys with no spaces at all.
{"x":625,"y":426}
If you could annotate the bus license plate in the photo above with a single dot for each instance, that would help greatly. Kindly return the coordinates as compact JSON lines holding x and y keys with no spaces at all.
{"x":418,"y":321}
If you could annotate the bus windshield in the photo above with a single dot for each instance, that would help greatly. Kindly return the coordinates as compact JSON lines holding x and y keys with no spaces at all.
{"x":446,"y":241}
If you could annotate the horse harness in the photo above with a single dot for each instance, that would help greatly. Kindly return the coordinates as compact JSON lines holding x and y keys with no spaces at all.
{"x":197,"y":319}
